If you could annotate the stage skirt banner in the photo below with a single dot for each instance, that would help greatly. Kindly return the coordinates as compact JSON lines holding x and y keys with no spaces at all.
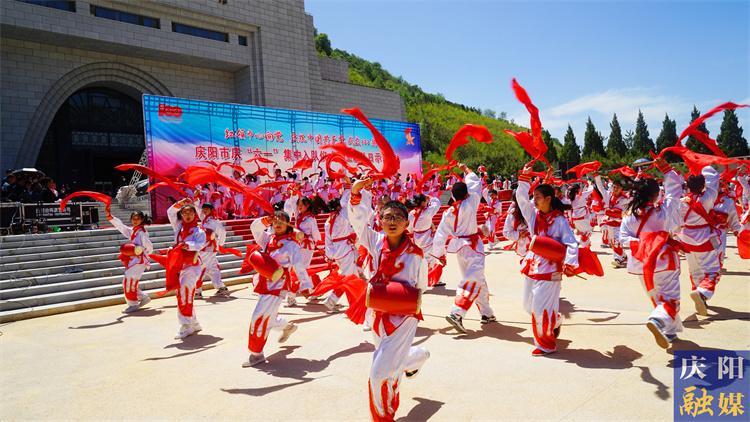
{"x":181,"y":132}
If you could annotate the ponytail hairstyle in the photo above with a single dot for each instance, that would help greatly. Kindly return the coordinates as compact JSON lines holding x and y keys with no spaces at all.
{"x":642,"y":192}
{"x":573,"y":191}
{"x":281,"y":215}
{"x":145,"y":219}
{"x":517,"y":214}
{"x":548,"y":191}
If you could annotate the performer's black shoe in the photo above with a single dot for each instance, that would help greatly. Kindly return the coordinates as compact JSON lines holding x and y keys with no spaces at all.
{"x":457,"y":323}
{"x":488,"y":319}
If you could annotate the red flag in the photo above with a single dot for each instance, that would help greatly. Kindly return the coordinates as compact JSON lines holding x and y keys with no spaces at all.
{"x":703,"y":138}
{"x":697,"y":122}
{"x":303,"y":164}
{"x":584,"y":168}
{"x":461,"y":138}
{"x":695,"y":161}
{"x":105,"y":199}
{"x":624,"y":170}
{"x":536,"y":123}
{"x":152,"y":174}
{"x":391,"y":162}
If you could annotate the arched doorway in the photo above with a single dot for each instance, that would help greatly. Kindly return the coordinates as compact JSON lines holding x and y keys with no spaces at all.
{"x":95,"y":129}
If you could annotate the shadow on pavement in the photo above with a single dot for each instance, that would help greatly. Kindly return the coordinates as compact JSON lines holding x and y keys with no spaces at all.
{"x":195,"y":344}
{"x":719,"y":314}
{"x":140,"y":313}
{"x":424,"y":410}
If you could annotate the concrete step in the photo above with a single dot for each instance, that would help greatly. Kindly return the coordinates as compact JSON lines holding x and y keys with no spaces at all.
{"x":78,"y":240}
{"x":77,"y":267}
{"x":103,"y":248}
{"x":95,"y":302}
{"x":82,"y":291}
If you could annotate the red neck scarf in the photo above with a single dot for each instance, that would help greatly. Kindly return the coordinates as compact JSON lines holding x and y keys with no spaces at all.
{"x":544,"y":221}
{"x":186,"y":229}
{"x":136,"y":229}
{"x":301,"y":218}
{"x":387,"y":266}
{"x":275,"y":242}
{"x":456,"y":205}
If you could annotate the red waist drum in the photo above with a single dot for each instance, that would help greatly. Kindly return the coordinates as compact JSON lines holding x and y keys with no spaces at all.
{"x":393,"y":297}
{"x":548,"y":248}
{"x":266,"y":266}
{"x":130,"y":249}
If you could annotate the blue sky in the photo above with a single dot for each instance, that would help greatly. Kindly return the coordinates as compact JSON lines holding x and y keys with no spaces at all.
{"x":575,"y":58}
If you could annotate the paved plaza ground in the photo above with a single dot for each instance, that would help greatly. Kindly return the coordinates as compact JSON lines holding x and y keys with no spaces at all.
{"x":101,"y":364}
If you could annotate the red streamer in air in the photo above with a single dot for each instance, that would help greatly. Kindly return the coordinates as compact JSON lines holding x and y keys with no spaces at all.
{"x":391,"y":162}
{"x":584,"y":168}
{"x":152,"y":174}
{"x":105,"y":199}
{"x":196,"y":175}
{"x":697,"y":122}
{"x":347,"y":152}
{"x":536,"y":122}
{"x":461,"y":138}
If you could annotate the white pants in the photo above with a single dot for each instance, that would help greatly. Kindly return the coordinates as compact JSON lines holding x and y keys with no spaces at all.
{"x":132,"y":292}
{"x":666,"y":300}
{"x":613,"y":237}
{"x":541,"y":299}
{"x":704,"y":270}
{"x":188,"y":280}
{"x":211,"y":268}
{"x":265,"y":318}
{"x":473,"y":286}
{"x":394,"y":354}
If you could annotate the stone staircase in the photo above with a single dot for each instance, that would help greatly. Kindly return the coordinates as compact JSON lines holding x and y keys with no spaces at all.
{"x":52,"y":273}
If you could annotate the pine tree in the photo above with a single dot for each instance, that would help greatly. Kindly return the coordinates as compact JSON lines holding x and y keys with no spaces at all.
{"x":616,"y":147}
{"x":593,"y":144}
{"x":551,"y":149}
{"x":730,"y":138}
{"x":642,"y":143}
{"x":570,"y":155}
{"x":693,"y":143}
{"x":668,"y":135}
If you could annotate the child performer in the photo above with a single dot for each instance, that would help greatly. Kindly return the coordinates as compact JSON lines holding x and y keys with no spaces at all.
{"x":459,"y":222}
{"x":339,"y":244}
{"x":396,"y":259}
{"x":301,"y":209}
{"x":543,"y":277}
{"x":283,"y":248}
{"x":421,"y":228}
{"x":137,"y":262}
{"x":216,"y":235}
{"x":645,"y":233}
{"x":189,"y":236}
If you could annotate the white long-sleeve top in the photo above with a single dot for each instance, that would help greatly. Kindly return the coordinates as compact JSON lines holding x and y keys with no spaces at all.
{"x":744,"y":181}
{"x":695,"y":229}
{"x":579,"y":206}
{"x":138,"y":238}
{"x":195,"y":240}
{"x":216,"y":234}
{"x":665,"y":217}
{"x":558,"y":228}
{"x":516,"y":231}
{"x":725,"y":205}
{"x":420,"y":222}
{"x":337,"y":230}
{"x":459,"y":222}
{"x":613,"y":204}
{"x":284,"y":250}
{"x":410,"y":266}
{"x":306,"y":223}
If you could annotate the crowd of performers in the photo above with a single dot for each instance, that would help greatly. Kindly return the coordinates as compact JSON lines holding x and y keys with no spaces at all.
{"x":383,"y":249}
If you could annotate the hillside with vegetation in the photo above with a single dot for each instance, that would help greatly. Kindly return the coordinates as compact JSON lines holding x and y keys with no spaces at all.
{"x":439,"y":118}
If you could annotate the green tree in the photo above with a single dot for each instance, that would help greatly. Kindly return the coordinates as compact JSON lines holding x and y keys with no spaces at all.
{"x":570,"y":155}
{"x":323,"y":44}
{"x":693,"y":143}
{"x":616,"y":147}
{"x":593,"y":144}
{"x":489,"y":113}
{"x":628,"y":140}
{"x":642,"y":143}
{"x":551,"y":147}
{"x":668,"y":135}
{"x":730,"y":138}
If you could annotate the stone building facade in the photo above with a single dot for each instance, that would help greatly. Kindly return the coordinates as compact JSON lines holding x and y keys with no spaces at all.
{"x":257,"y":52}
